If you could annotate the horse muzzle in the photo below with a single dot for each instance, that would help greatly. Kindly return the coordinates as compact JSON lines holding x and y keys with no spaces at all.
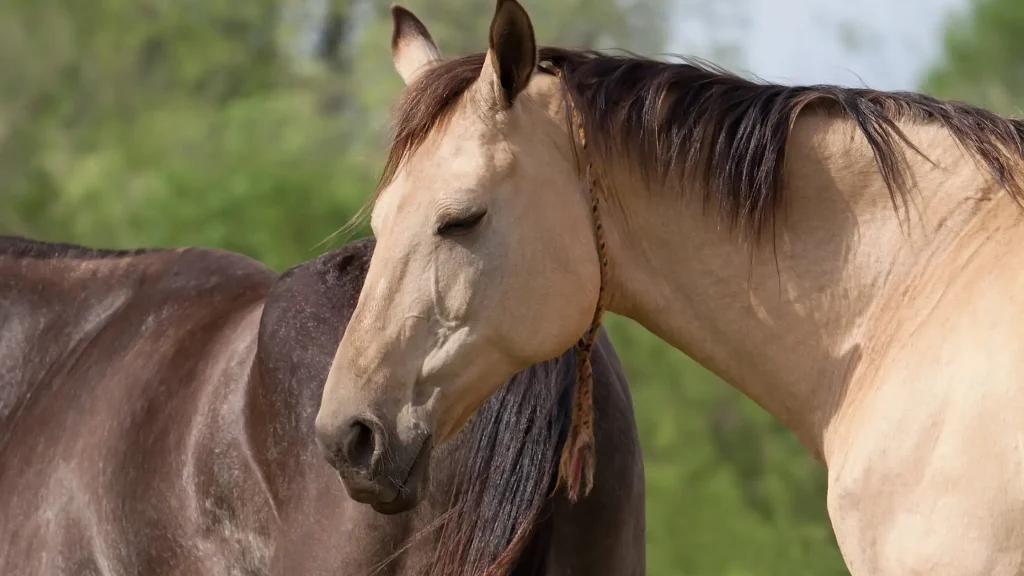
{"x":375,"y":466}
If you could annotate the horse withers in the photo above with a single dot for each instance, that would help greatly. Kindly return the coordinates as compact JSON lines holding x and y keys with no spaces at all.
{"x":156,"y":417}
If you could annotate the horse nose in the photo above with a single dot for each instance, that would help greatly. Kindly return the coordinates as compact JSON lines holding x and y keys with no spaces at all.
{"x":354,"y":446}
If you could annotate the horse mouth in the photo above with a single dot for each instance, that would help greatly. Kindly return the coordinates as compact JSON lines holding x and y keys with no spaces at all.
{"x":409,"y":492}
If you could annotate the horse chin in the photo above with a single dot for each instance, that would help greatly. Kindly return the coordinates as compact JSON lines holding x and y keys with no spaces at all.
{"x":413,"y":490}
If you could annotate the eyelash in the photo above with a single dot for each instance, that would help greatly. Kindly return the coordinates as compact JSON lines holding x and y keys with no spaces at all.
{"x":461,"y":225}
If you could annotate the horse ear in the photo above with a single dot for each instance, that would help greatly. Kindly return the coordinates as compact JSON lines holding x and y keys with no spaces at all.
{"x":412,"y":48}
{"x":511,"y":53}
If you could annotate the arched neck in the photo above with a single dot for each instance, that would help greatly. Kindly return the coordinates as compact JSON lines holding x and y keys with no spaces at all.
{"x":788,"y":323}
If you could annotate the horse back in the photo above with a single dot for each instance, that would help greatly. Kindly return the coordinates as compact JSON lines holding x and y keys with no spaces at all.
{"x":122,"y":374}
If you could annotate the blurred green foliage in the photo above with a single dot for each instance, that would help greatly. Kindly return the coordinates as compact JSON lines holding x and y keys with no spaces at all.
{"x":981,"y":61}
{"x":258,"y":127}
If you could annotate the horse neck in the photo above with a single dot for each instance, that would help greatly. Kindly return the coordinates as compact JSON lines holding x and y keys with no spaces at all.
{"x":786,"y":325}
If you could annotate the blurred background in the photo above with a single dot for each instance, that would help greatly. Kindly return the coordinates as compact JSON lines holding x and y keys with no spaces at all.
{"x":259,"y":126}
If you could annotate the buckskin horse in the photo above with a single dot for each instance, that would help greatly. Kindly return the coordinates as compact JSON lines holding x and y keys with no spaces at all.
{"x":156,"y":417}
{"x":850,"y":259}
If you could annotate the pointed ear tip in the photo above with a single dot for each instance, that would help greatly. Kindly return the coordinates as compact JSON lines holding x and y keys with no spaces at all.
{"x":511,"y":4}
{"x":399,"y":14}
{"x":401,"y":18}
{"x":504,"y":6}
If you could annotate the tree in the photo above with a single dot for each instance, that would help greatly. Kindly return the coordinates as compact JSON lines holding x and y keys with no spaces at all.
{"x":981,"y":57}
{"x":125,"y":122}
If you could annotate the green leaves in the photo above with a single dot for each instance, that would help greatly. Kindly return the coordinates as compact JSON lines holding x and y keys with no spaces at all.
{"x":729,"y":490}
{"x":981,"y":59}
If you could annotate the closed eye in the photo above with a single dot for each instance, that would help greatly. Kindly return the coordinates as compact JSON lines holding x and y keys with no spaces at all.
{"x":461,"y":224}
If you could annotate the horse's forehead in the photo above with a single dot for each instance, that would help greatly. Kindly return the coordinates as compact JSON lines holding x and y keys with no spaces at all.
{"x":468,"y":137}
{"x":455,"y":162}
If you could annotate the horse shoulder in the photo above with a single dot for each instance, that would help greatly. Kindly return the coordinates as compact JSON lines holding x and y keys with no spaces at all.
{"x":926,"y":471}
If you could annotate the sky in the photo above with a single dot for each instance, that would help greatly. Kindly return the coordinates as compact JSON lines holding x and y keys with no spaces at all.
{"x":805,"y":41}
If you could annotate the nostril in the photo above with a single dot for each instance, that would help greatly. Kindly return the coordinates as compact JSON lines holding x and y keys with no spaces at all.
{"x":359,"y":445}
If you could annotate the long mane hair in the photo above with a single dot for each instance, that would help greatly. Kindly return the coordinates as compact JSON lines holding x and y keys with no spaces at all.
{"x":691,"y":119}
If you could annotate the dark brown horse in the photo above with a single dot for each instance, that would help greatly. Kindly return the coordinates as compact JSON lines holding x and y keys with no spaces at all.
{"x":156,"y":417}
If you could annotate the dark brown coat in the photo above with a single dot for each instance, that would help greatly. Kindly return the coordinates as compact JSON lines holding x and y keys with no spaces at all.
{"x":156,"y":414}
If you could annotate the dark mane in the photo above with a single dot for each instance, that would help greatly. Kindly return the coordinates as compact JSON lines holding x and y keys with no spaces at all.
{"x":19,"y":247}
{"x":694,"y":119}
{"x":509,"y":457}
